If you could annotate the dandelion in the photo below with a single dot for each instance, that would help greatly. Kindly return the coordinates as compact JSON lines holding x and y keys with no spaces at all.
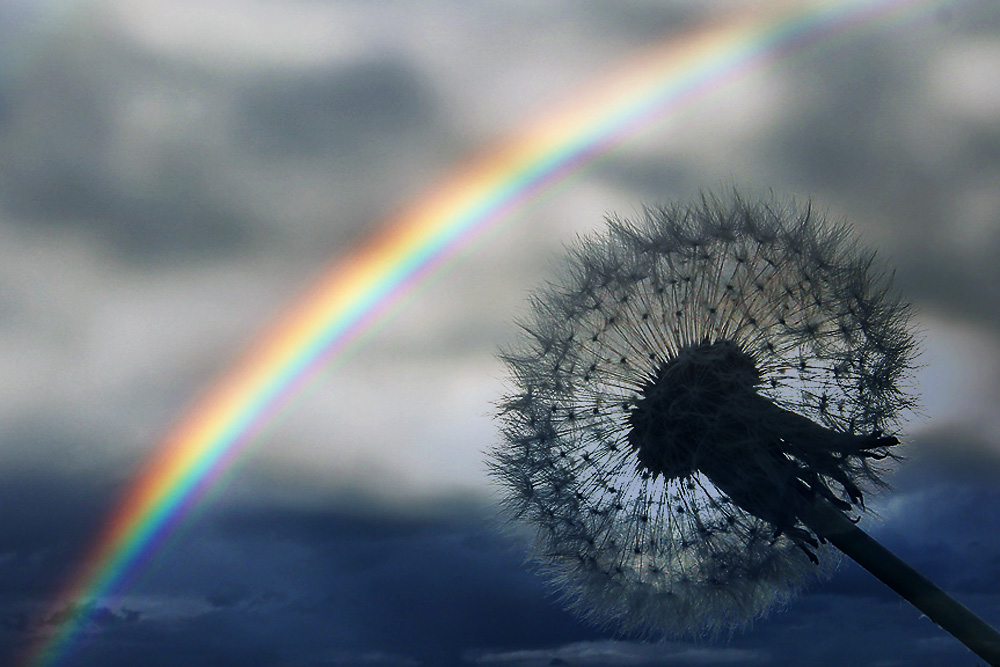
{"x":698,"y":411}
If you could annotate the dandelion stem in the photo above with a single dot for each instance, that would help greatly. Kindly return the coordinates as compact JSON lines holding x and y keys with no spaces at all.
{"x":952,"y":616}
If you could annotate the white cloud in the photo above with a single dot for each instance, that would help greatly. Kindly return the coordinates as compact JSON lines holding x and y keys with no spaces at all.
{"x":959,"y":381}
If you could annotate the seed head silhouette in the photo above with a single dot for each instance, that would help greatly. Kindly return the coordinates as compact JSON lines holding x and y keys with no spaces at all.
{"x":698,"y":409}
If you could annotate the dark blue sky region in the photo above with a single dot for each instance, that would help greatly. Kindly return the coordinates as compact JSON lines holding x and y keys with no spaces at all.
{"x":258,"y":585}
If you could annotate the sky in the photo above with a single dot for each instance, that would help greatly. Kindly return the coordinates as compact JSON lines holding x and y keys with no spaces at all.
{"x":174,"y":173}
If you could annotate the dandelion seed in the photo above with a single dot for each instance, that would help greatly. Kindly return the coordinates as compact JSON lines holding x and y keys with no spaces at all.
{"x":761,"y":361}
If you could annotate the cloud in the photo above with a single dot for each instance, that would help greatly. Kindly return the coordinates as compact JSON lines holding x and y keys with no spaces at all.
{"x":255,"y":585}
{"x":98,"y":616}
{"x":370,"y":659}
{"x":340,"y":111}
{"x":610,"y":652}
{"x":821,"y":629}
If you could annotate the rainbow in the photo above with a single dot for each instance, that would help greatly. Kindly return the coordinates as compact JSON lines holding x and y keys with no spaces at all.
{"x":361,"y":288}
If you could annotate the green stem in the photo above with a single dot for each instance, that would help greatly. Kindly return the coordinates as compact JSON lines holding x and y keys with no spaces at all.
{"x":831,"y":524}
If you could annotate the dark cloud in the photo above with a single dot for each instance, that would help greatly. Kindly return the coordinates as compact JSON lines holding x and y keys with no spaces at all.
{"x":416,"y":586}
{"x":98,"y":616}
{"x":642,"y":20}
{"x":45,"y":519}
{"x":45,"y":523}
{"x":265,"y":585}
{"x":865,"y":125}
{"x":162,"y":164}
{"x":81,"y":152}
{"x":626,"y":654}
{"x":358,"y":113}
{"x":834,"y":132}
{"x":299,"y":586}
{"x":833,"y":630}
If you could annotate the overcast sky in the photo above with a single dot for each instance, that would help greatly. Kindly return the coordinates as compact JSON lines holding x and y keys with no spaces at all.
{"x":173,"y":173}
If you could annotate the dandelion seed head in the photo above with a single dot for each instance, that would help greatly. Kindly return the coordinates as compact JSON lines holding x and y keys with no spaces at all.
{"x":693,"y":379}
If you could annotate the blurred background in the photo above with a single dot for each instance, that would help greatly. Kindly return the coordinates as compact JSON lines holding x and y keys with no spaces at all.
{"x":174,"y":173}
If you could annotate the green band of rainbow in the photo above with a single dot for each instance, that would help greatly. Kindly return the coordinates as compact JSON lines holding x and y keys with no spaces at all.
{"x":360,"y":289}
